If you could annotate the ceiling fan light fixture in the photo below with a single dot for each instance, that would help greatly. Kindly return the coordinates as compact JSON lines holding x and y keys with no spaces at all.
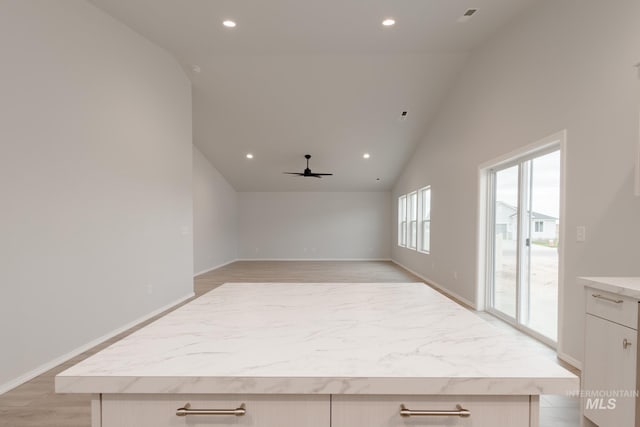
{"x":307,"y":172}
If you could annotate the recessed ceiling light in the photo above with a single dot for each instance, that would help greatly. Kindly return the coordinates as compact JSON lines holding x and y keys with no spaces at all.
{"x":388,"y":22}
{"x":366,"y":155}
{"x":249,"y":156}
{"x":228,"y":23}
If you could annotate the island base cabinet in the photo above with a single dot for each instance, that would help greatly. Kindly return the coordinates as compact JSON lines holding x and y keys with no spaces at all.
{"x":384,"y":411}
{"x":610,"y":367}
{"x":113,"y":410}
{"x":259,"y":410}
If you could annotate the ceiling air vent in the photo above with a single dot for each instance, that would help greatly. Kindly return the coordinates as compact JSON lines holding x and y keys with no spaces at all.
{"x":403,"y":115}
{"x":467,"y":15}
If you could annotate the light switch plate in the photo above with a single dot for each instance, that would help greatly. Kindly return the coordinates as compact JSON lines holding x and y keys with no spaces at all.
{"x":581,"y":233}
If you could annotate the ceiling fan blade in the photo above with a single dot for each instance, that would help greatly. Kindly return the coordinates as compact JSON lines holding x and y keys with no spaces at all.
{"x":307,"y":171}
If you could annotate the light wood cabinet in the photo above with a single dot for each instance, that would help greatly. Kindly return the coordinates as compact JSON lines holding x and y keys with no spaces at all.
{"x":384,"y":411}
{"x":610,"y":368}
{"x":261,"y":410}
{"x":132,"y":410}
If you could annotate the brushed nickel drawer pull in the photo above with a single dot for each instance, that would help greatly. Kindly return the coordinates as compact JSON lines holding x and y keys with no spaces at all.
{"x":458,"y":412}
{"x":616,"y":301}
{"x":186,"y":410}
{"x":626,"y":343}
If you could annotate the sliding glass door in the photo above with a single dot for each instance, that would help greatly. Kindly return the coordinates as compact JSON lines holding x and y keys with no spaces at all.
{"x":505,"y":260}
{"x":523,"y":262}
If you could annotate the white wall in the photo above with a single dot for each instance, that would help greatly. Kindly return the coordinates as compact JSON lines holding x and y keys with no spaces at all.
{"x":565,"y":65}
{"x":215,"y":211}
{"x":95,"y":178}
{"x":314,"y":225}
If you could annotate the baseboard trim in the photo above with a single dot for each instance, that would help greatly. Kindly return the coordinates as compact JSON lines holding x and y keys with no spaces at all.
{"x":437,"y":286}
{"x":570,"y":360}
{"x":315,"y":259}
{"x":215,"y":268}
{"x":11,"y":384}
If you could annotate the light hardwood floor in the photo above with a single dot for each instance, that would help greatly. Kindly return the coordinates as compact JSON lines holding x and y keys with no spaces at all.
{"x":36,"y":404}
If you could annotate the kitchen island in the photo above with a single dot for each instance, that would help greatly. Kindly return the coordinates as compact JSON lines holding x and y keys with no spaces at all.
{"x":318,"y":354}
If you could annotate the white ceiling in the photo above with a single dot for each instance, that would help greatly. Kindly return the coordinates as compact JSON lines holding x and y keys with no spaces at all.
{"x":322,"y":77}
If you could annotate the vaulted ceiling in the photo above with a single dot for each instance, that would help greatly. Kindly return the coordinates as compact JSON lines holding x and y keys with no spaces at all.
{"x":319,"y":77}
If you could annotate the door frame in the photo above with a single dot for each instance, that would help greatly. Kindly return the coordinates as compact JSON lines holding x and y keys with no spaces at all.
{"x":484,"y":242}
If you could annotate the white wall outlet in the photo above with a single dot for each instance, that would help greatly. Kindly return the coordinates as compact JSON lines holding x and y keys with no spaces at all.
{"x":455,"y":275}
{"x":581,"y":233}
{"x":149,"y":288}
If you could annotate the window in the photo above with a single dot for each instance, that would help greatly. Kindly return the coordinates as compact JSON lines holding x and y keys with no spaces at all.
{"x":425,"y":219}
{"x":413,"y":219}
{"x":539,"y":226}
{"x":402,"y":221}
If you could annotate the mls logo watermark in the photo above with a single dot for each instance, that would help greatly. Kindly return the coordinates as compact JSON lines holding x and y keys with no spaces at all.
{"x":603,"y":399}
{"x":600,"y":403}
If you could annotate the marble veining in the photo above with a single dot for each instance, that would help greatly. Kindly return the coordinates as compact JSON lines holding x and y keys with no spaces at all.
{"x":625,"y":286}
{"x":351,"y":338}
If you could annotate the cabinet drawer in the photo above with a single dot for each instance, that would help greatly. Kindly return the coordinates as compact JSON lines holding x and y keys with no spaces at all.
{"x":384,"y":411}
{"x":619,"y":309}
{"x":261,"y":410}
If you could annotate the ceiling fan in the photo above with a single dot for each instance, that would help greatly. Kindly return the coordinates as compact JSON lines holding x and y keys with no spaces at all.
{"x":307,"y":171}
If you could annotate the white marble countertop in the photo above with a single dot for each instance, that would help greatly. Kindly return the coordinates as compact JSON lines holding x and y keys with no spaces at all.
{"x":304,"y":338}
{"x":626,"y":286}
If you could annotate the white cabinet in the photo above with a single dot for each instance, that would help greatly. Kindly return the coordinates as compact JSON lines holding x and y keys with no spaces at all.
{"x":124,"y":410}
{"x":610,"y":369}
{"x":384,"y":411}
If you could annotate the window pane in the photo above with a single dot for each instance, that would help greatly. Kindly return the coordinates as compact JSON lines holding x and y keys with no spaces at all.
{"x":543,"y":252}
{"x":426,"y":204}
{"x":506,"y":238}
{"x":402,"y":218}
{"x":403,"y":233}
{"x":413,"y":234}
{"x":413,"y":206}
{"x":426,"y":235}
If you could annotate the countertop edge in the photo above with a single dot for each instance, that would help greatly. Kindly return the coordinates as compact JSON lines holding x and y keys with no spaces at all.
{"x":310,"y":385}
{"x":604,"y":284}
